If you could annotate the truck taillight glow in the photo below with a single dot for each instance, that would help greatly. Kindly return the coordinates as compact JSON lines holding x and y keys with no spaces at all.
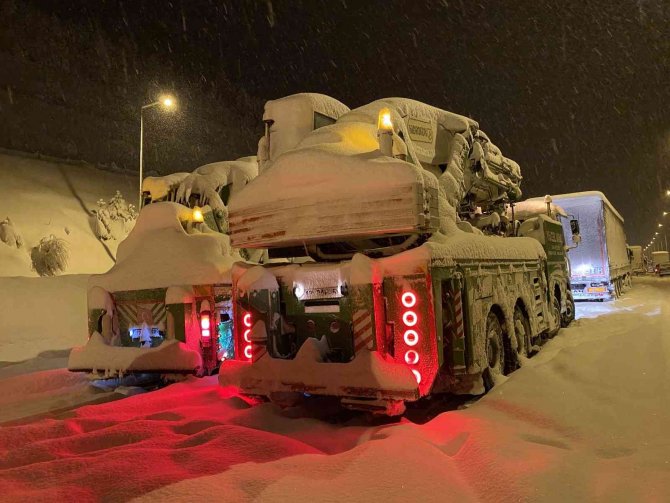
{"x":247,"y":322}
{"x":408,"y":299}
{"x":205,"y":325}
{"x":409,"y":318}
{"x":411,"y":336}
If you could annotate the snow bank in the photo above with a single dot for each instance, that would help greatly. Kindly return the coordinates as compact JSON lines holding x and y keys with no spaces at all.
{"x":43,"y":392}
{"x":41,"y":314}
{"x":367,"y":371}
{"x":44,"y":198}
{"x":584,"y":420}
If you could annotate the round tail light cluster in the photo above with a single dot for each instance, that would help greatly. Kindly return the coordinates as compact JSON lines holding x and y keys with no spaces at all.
{"x":411,"y":336}
{"x":246,"y":335}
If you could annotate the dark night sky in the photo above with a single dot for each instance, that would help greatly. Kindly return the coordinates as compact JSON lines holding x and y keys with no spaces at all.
{"x":575,"y":91}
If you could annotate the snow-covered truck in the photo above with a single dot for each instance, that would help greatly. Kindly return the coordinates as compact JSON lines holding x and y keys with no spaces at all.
{"x":600,"y":267}
{"x":414,"y":287}
{"x":660,"y":261}
{"x":635,"y":255}
{"x":166,"y":305}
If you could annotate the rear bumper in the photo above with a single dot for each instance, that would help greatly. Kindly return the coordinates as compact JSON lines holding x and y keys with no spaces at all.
{"x":368,"y":375}
{"x":169,"y":357}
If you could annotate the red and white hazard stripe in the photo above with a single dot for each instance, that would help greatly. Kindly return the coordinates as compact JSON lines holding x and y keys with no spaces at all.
{"x":257,"y":351}
{"x":459,"y":331}
{"x":363,"y":333}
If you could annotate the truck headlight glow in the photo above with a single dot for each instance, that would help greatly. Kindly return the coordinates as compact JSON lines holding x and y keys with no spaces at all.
{"x":417,"y":376}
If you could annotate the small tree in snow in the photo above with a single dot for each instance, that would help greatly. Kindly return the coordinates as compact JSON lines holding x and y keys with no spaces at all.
{"x":114,"y":217}
{"x":50,"y":256}
{"x":9,"y":234}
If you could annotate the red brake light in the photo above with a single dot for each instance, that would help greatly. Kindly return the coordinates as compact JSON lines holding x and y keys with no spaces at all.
{"x":205,"y":324}
{"x":247,"y":348}
{"x":411,"y":336}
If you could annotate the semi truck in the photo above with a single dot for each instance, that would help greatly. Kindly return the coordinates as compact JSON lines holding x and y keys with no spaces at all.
{"x":600,"y":266}
{"x":416,"y":283}
{"x":660,"y":261}
{"x":635,"y":256}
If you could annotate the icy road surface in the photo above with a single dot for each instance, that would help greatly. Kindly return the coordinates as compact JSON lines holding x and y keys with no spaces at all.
{"x":587,"y":419}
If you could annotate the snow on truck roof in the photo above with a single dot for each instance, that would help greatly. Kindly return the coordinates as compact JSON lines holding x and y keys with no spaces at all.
{"x":592,"y":195}
{"x":533,"y":207}
{"x":316,"y":102}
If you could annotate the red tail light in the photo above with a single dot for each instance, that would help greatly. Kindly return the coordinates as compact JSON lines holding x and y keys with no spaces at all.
{"x":411,"y":336}
{"x":205,"y":324}
{"x":247,"y":323}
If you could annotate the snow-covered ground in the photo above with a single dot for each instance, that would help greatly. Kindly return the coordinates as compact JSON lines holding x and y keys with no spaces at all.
{"x":41,"y":314}
{"x":44,"y":197}
{"x":587,"y":419}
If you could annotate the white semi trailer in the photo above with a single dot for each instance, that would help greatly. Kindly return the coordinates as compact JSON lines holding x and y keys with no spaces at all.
{"x":600,"y":268}
{"x":636,"y":260}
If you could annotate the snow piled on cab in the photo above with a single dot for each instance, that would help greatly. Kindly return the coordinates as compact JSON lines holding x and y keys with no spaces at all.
{"x":159,"y":253}
{"x":159,"y":187}
{"x":530,"y":208}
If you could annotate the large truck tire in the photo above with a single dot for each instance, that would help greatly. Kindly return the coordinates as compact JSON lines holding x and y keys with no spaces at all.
{"x":568,"y":315}
{"x":556,"y":311}
{"x":494,"y":350}
{"x":522,"y":337}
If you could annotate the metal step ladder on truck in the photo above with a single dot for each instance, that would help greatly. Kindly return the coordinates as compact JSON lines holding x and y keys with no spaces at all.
{"x":166,"y":305}
{"x":600,"y":266}
{"x":416,"y":283}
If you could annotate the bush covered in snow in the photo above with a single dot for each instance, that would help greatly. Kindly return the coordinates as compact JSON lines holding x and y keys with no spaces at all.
{"x":9,"y":234}
{"x":114,"y":218}
{"x":50,"y":256}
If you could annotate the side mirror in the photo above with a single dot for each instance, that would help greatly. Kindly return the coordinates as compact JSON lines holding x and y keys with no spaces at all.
{"x":576,"y":239}
{"x":574,"y":226}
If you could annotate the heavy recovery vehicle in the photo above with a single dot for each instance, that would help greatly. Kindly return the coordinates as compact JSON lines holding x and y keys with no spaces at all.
{"x":402,"y":274}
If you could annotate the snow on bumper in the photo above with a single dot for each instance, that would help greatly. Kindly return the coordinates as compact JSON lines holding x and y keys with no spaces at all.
{"x":368,"y":375}
{"x":96,"y":355}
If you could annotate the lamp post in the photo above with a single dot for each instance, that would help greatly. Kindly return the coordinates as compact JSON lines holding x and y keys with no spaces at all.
{"x":166,"y":102}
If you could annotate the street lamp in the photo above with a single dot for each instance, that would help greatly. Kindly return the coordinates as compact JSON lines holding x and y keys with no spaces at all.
{"x":166,"y":102}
